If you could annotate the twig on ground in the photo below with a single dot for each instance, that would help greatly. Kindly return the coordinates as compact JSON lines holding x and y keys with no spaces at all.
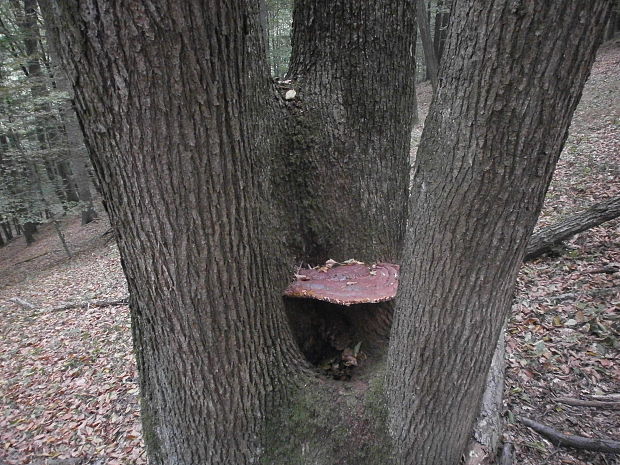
{"x":575,"y":295}
{"x":577,"y":442}
{"x":588,"y":403}
{"x":611,"y":397}
{"x":22,"y":303}
{"x":90,"y":303}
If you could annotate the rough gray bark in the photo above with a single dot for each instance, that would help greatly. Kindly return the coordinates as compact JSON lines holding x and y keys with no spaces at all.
{"x":427,"y":42}
{"x":545,"y":239}
{"x":177,"y":120}
{"x":352,"y":64}
{"x":491,"y":141}
{"x":442,"y":19}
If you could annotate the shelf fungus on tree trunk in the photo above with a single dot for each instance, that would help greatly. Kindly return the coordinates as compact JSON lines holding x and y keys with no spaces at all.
{"x":347,"y":283}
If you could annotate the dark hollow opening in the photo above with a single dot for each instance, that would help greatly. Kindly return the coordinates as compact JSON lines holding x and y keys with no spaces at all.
{"x":338,"y":339}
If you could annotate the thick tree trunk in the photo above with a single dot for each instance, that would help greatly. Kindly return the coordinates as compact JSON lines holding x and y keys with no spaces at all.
{"x":427,"y":42}
{"x":545,"y":239}
{"x":171,"y":109}
{"x":353,"y":66}
{"x":490,"y":143}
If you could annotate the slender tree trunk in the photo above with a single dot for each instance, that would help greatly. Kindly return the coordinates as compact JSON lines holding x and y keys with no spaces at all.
{"x":427,"y":42}
{"x":75,"y":140}
{"x":47,"y":130}
{"x":546,"y":238}
{"x":442,"y":19}
{"x":6,"y":227}
{"x":481,"y":173}
{"x":29,"y":229}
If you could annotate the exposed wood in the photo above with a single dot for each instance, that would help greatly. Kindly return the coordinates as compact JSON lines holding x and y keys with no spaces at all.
{"x":22,"y":303}
{"x":546,"y":238}
{"x":606,"y":397}
{"x":588,"y":403}
{"x":576,"y":442}
{"x":508,"y":454}
{"x":488,"y":426}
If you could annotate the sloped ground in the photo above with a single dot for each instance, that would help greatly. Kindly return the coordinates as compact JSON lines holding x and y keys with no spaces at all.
{"x":68,"y":392}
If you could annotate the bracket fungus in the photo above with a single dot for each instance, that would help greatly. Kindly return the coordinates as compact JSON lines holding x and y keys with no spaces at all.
{"x":347,"y":283}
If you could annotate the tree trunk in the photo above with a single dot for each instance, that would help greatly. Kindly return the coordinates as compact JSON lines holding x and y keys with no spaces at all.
{"x":490,"y":144}
{"x":215,"y":183}
{"x":6,"y":227}
{"x":46,"y":127}
{"x":442,"y":19}
{"x":76,"y":149}
{"x":546,"y":238}
{"x":427,"y":42}
{"x":29,"y":229}
{"x":191,"y":116}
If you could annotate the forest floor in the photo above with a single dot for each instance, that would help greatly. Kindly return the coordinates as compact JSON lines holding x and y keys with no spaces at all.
{"x":68,"y":391}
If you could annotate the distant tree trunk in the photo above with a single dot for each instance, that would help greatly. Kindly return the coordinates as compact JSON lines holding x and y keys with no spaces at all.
{"x":427,"y":42}
{"x":47,"y":130}
{"x":74,"y":137}
{"x":6,"y":227}
{"x":2,"y":242}
{"x":487,"y":154}
{"x":442,"y":19}
{"x":29,"y":229}
{"x":613,"y":23}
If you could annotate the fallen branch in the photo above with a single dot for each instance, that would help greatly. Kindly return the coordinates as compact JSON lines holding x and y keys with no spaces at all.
{"x":575,"y":295}
{"x":90,"y":303}
{"x":577,"y":442}
{"x":588,"y":403}
{"x":31,"y":258}
{"x":22,"y":303}
{"x":611,"y":397}
{"x":546,"y":238}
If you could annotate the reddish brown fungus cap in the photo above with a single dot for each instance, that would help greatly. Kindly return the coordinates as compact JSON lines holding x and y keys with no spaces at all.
{"x":347,"y":283}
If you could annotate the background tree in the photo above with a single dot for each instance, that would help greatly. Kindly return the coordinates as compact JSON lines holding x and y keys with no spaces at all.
{"x":43,"y":164}
{"x":213,"y":180}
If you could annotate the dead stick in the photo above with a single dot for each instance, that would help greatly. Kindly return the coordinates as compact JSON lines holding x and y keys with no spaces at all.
{"x":606,"y":397}
{"x":577,"y":442}
{"x":22,"y":303}
{"x":588,"y":403}
{"x":90,"y":303}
